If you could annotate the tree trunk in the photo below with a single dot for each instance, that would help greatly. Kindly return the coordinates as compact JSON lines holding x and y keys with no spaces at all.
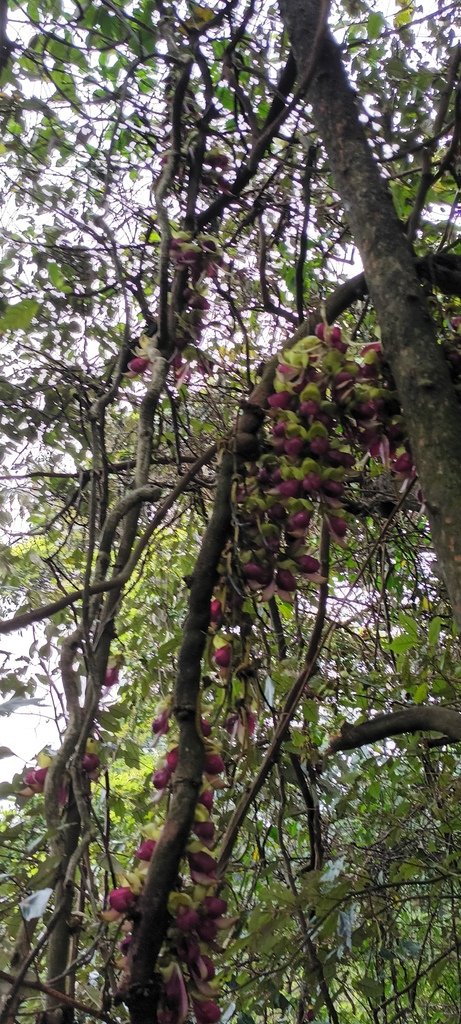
{"x":429,"y":402}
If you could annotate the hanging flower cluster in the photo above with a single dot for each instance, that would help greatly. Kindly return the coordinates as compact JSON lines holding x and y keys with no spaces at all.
{"x":328,"y":407}
{"x":201,"y":258}
{"x":197,"y":913}
{"x":35,"y":778}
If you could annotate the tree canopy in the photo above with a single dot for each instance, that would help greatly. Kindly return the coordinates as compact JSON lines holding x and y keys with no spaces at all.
{"x":230,"y":328}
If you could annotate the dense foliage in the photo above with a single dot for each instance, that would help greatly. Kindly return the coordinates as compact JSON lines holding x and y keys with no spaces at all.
{"x":231,"y":469}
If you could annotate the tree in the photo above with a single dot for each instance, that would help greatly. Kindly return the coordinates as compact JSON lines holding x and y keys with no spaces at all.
{"x":230,"y":525}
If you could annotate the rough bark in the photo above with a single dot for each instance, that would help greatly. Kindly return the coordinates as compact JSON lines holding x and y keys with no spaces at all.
{"x":429,"y":402}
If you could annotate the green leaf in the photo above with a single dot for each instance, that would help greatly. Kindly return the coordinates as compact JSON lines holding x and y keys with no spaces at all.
{"x":19,"y":316}
{"x":371,"y":988}
{"x":375,"y":24}
{"x":420,"y":692}
{"x":433,"y":632}
{"x":56,"y":277}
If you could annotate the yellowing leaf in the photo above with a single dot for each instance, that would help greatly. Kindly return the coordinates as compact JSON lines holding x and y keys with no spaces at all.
{"x":201,"y":15}
{"x":403,"y":18}
{"x":44,"y":760}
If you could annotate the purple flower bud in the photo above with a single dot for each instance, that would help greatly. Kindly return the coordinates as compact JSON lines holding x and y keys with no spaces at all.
{"x":319,"y":445}
{"x":138,"y":365}
{"x":293,"y":447}
{"x":403,"y":464}
{"x":176,"y":998}
{"x":337,"y":525}
{"x":285,"y":580}
{"x":187,"y":919}
{"x":161,"y":777}
{"x":90,"y":762}
{"x":372,"y":347}
{"x":343,"y":379}
{"x":309,"y":408}
{"x":258,"y":573}
{"x":208,"y":968}
{"x":146,"y":849}
{"x":312,"y":482}
{"x":214,"y":764}
{"x":339,"y":458}
{"x":331,"y":334}
{"x":276,"y":513}
{"x":308,"y":564}
{"x":206,"y":1011}
{"x":264,"y":477}
{"x":280,"y":400}
{"x":334,"y":488}
{"x":216,"y":612}
{"x":125,"y":944}
{"x":121,"y":899}
{"x":366,"y":410}
{"x":214,"y":906}
{"x":35,"y":779}
{"x":172,"y":759}
{"x":204,"y":830}
{"x":298,"y":521}
{"x":207,"y":929}
{"x":202,"y":862}
{"x":206,"y":798}
{"x":222,"y":656}
{"x":289,"y":488}
{"x":231,"y":724}
{"x":161,"y":723}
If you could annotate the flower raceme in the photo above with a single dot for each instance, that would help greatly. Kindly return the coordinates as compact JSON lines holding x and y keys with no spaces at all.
{"x":329,"y":404}
{"x":196,"y":912}
{"x":35,"y":778}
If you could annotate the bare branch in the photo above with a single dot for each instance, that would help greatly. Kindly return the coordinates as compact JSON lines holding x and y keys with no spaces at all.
{"x":409,"y":720}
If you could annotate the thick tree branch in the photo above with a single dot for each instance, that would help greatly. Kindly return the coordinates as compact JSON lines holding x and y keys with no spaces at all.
{"x":441,"y":271}
{"x":410,"y":719}
{"x":152,"y":921}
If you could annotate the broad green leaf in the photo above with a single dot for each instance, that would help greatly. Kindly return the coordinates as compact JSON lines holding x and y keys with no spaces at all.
{"x":19,"y":316}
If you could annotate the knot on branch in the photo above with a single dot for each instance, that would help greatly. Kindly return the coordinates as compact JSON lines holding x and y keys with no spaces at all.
{"x":184,"y":712}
